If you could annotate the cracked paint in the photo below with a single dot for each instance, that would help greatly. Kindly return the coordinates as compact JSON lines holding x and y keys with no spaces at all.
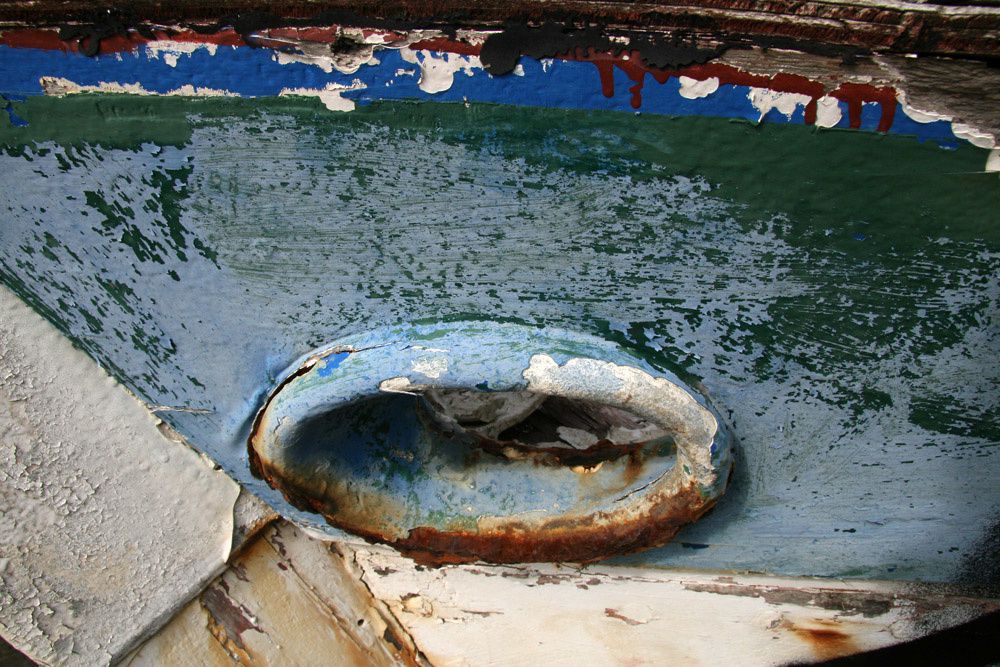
{"x":82,"y":465}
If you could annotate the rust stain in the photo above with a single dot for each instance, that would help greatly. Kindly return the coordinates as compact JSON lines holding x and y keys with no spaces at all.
{"x":228,"y":620}
{"x":826,"y":638}
{"x":614,"y":613}
{"x":558,"y":540}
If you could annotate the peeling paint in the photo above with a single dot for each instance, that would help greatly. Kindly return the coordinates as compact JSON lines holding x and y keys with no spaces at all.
{"x":438,"y":70}
{"x":331,"y":96}
{"x":773,"y":282}
{"x":57,"y":87}
{"x":108,"y":527}
{"x":615,"y":615}
{"x":694,"y":89}
{"x":171,"y":51}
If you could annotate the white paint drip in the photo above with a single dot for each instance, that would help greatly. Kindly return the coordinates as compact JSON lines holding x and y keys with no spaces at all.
{"x":437,"y":70}
{"x":57,"y":86}
{"x":170,"y":50}
{"x":828,"y":112}
{"x":330,"y":95}
{"x":763,"y":100}
{"x":993,"y":161}
{"x":693,"y":89}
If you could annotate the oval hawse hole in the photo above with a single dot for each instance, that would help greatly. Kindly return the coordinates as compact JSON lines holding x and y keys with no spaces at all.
{"x":543,"y":460}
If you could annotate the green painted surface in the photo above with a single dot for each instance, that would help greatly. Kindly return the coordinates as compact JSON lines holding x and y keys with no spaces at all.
{"x":835,"y":292}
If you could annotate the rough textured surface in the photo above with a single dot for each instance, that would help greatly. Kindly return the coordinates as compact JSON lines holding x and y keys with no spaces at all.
{"x":106,"y":526}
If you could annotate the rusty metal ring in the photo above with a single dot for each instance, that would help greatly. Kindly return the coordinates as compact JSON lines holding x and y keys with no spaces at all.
{"x":355,"y":490}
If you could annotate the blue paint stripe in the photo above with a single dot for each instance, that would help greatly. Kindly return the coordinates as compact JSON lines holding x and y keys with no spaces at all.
{"x":254,"y":72}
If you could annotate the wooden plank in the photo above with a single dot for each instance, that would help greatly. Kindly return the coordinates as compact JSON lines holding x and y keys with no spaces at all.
{"x":263,"y":611}
{"x":552,"y":615}
{"x":918,"y":27}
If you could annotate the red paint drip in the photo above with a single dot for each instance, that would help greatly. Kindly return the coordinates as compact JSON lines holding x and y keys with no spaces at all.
{"x":853,"y":94}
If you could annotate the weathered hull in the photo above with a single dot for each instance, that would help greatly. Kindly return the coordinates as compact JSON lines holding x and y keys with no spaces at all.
{"x":803,"y":247}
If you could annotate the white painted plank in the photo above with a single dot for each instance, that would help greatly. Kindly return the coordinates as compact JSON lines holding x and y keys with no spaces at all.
{"x":106,"y":527}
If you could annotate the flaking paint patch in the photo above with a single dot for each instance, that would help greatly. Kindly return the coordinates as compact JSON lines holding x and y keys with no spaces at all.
{"x":444,"y":57}
{"x":828,"y":112}
{"x":330,"y":96}
{"x":58,"y":87}
{"x":764,"y":100}
{"x":438,"y":69}
{"x":694,"y":89}
{"x":656,"y":399}
{"x":993,"y":160}
{"x":107,"y":528}
{"x":431,"y":366}
{"x":319,"y":56}
{"x":171,"y":51}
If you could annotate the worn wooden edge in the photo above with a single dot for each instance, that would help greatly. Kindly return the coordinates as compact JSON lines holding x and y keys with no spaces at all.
{"x":967,"y":30}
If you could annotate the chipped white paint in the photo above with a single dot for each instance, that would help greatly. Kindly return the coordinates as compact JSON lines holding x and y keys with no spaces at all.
{"x":438,"y":69}
{"x":58,"y":86}
{"x":764,"y":99}
{"x":606,"y":615}
{"x":330,"y":95}
{"x":170,"y":51}
{"x":828,"y":112}
{"x":106,"y":527}
{"x":694,"y":89}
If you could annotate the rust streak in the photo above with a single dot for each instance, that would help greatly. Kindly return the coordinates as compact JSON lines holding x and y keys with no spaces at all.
{"x":228,"y":620}
{"x":826,"y":638}
{"x":614,"y":613}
